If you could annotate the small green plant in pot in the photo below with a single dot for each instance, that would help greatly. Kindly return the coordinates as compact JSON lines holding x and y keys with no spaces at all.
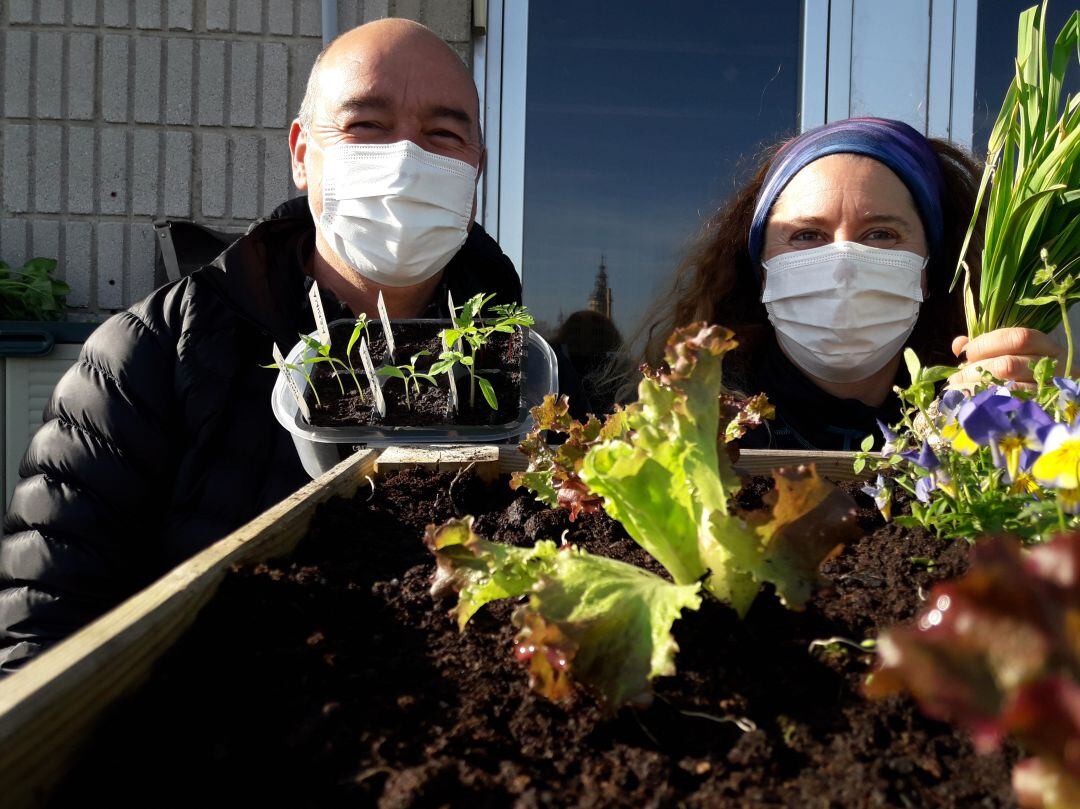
{"x":475,"y":336}
{"x":30,"y":292}
{"x":408,"y":374}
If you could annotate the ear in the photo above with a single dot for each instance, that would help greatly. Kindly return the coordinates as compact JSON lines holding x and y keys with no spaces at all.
{"x":298,"y":151}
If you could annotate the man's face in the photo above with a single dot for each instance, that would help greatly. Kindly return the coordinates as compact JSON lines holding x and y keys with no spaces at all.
{"x":385,"y":89}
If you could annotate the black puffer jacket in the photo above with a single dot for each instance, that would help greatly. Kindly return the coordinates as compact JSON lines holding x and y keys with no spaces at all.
{"x":161,"y":439}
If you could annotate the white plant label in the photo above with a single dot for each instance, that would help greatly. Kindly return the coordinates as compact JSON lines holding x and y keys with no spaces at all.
{"x":300,"y":403}
{"x":373,"y":381}
{"x":385,"y":318}
{"x":320,"y":315}
{"x":452,"y":381}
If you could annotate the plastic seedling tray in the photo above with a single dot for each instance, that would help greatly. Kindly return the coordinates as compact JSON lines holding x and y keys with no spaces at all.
{"x":322,"y":447}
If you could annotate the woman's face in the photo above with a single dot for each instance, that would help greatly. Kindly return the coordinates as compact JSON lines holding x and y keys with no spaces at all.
{"x":844,"y":197}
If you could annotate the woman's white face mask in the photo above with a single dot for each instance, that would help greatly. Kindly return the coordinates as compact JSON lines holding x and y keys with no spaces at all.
{"x":843,"y":310}
{"x":394,"y":212}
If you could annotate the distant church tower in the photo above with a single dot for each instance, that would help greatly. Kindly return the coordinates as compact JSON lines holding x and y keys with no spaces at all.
{"x":600,"y":300}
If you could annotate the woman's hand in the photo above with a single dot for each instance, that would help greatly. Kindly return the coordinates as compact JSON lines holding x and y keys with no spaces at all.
{"x":1005,"y":353}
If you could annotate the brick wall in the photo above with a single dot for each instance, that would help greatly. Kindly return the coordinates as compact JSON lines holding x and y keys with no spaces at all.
{"x":117,"y":112}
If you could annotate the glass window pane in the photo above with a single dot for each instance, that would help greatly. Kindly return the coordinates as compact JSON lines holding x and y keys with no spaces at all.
{"x":639,"y":123}
{"x":995,"y":50}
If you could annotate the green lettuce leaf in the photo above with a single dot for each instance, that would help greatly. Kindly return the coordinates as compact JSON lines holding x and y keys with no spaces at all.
{"x":663,"y":477}
{"x":605,"y":623}
{"x":481,"y":571}
{"x":666,"y":480}
{"x":809,"y":520}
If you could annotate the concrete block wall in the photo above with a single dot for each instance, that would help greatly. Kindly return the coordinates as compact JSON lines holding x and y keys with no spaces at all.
{"x":116,"y":112}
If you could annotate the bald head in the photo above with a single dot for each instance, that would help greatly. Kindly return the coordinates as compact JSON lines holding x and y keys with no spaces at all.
{"x":390,"y":46}
{"x":382,"y":83}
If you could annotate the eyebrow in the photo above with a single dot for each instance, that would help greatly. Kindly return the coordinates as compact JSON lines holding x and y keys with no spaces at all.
{"x":867,"y":219}
{"x":383,"y":104}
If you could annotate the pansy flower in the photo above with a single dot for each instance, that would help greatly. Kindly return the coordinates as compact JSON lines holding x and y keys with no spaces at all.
{"x":1068,"y":397}
{"x":1011,"y":427}
{"x":892,"y":440}
{"x":953,"y":431}
{"x":936,"y":480}
{"x":949,"y":405}
{"x":881,"y":491}
{"x":923,"y":457}
{"x":1059,"y":464}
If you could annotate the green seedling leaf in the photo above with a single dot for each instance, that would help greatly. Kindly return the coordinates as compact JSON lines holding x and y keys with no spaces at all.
{"x":358,"y":330}
{"x":488,"y":391}
{"x":442,"y":366}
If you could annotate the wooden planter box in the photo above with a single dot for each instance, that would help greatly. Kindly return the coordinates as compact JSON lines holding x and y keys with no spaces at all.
{"x":48,"y":709}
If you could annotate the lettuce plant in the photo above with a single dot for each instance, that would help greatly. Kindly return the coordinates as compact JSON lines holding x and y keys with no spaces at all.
{"x":997,"y":652}
{"x":1030,"y":189}
{"x":658,"y":467}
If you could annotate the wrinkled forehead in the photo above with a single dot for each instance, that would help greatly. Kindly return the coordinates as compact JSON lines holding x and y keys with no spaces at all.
{"x":421,"y":80}
{"x":846,"y":179}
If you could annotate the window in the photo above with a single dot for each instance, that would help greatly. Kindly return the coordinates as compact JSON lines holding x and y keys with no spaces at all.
{"x":638,"y":124}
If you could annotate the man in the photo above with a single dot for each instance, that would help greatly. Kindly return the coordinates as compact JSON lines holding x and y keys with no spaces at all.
{"x":161,"y":439}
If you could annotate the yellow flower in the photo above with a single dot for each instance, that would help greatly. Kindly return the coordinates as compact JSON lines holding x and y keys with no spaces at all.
{"x":955,"y":435}
{"x":1024,"y":483}
{"x":1059,"y":464}
{"x":1069,"y":499}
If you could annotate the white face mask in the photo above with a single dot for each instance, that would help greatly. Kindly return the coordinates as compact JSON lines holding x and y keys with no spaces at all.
{"x":394,"y":212}
{"x":843,"y":310}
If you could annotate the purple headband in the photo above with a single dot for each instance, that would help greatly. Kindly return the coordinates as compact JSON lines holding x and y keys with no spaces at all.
{"x":893,"y":143}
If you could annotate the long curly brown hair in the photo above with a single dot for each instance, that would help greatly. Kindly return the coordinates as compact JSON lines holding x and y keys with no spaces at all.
{"x":716,"y":281}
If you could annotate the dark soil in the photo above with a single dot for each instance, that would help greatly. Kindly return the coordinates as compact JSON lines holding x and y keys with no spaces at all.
{"x":499,"y":361}
{"x":333,"y":679}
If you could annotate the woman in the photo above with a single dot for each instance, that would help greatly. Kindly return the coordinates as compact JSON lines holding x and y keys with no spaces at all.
{"x":837,"y":255}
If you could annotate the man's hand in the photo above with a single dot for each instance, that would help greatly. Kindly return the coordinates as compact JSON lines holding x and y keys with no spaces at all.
{"x":1005,"y":353}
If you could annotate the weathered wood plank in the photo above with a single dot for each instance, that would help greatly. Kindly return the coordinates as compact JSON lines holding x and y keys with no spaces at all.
{"x":50,"y":706}
{"x":483,"y":458}
{"x":830,"y":464}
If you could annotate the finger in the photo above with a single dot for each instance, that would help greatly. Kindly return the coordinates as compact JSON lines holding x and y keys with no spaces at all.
{"x":958,"y":344}
{"x":1015,"y":341}
{"x":1009,"y":367}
